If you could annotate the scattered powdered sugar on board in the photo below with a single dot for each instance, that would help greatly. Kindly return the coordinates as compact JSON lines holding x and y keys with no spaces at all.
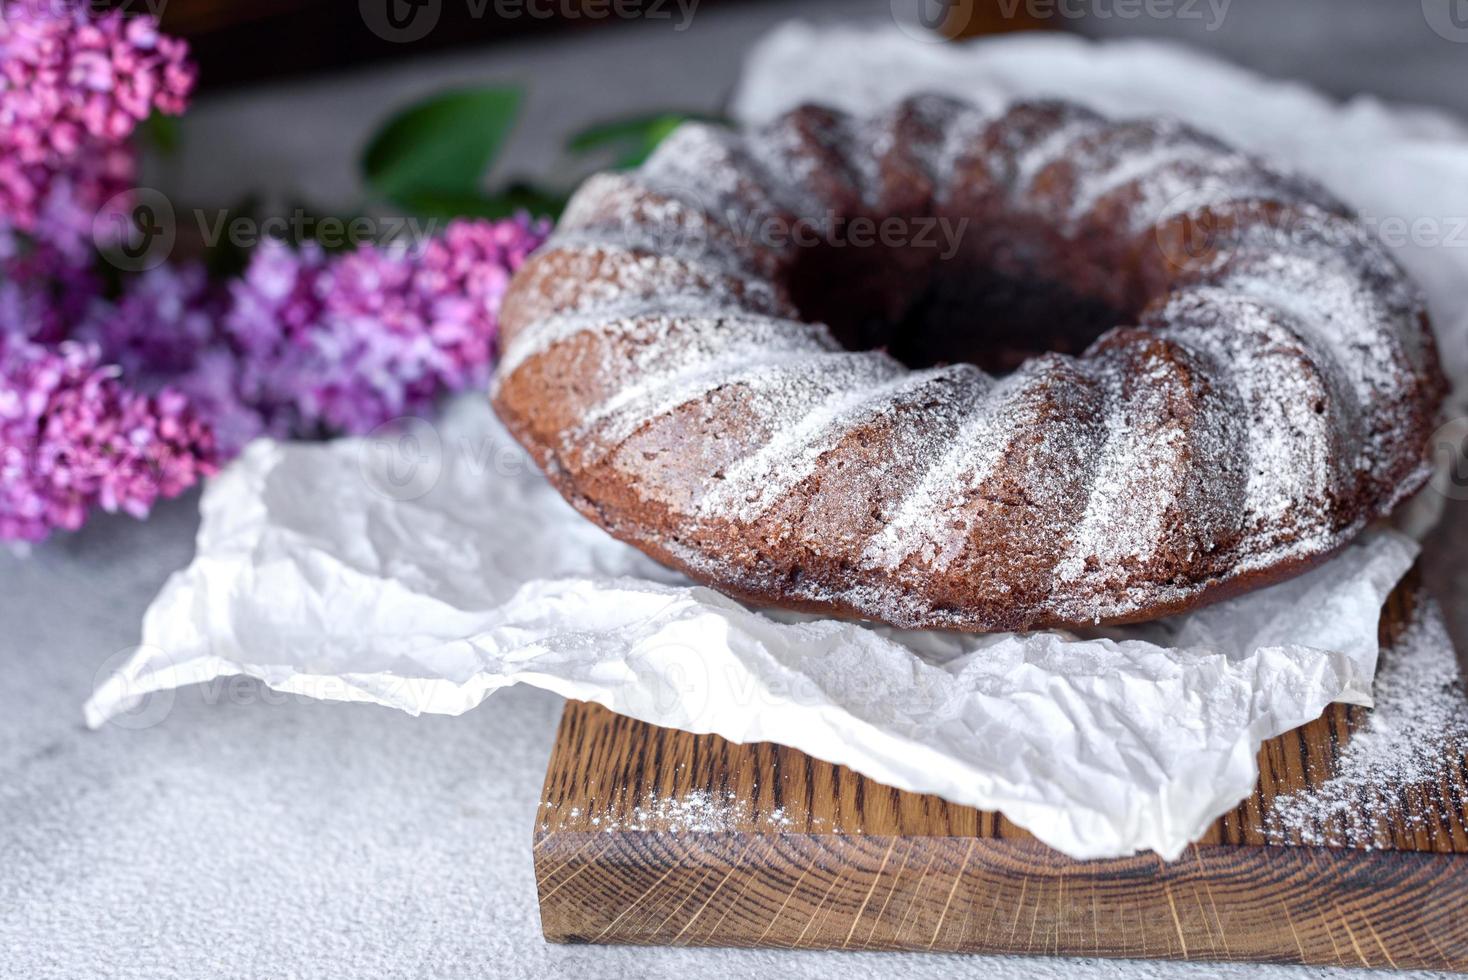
{"x":1416,"y":735}
{"x":696,"y":811}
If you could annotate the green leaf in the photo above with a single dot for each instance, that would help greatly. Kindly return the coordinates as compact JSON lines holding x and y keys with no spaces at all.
{"x":224,"y":259}
{"x":443,"y":145}
{"x":161,"y":132}
{"x":539,"y":201}
{"x":332,"y":230}
{"x":631,"y":140}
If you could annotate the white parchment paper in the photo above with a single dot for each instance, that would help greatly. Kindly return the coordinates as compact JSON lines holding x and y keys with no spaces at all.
{"x":423,"y":571}
{"x":428,"y":567}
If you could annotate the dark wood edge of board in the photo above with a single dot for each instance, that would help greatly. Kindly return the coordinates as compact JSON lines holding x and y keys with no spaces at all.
{"x":1299,"y":905}
{"x":811,"y":855}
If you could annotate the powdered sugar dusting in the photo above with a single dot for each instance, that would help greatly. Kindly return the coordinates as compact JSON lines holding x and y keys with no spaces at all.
{"x":1294,"y":463}
{"x":1411,"y":741}
{"x":1134,"y":489}
{"x":614,"y":307}
{"x":1031,"y":159}
{"x":1096,"y":183}
{"x":709,"y":159}
{"x":785,"y":383}
{"x":922,"y":525}
{"x":747,"y":489}
{"x":687,"y":221}
{"x":1342,"y":314}
{"x":1209,"y":457}
{"x":694,"y":811}
{"x":965,"y":129}
{"x":1159,"y":482}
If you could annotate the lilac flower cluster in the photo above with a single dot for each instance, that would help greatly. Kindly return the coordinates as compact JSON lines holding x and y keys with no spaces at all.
{"x":74,"y":437}
{"x":42,"y":290}
{"x":73,"y":87}
{"x":163,"y":332}
{"x":307,"y":343}
{"x":304,"y":344}
{"x":342,"y":344}
{"x":113,"y":402}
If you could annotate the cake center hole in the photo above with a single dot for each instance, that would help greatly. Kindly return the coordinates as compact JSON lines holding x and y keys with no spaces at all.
{"x":942,"y":304}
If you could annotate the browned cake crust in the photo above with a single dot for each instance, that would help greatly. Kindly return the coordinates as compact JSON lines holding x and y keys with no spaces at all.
{"x":762,"y":359}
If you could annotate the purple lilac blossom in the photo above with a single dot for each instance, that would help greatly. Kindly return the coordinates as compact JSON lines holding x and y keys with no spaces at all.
{"x":307,"y":343}
{"x":115,"y":403}
{"x":341,"y":344}
{"x":73,"y":87}
{"x":73,"y":437}
{"x":304,"y":344}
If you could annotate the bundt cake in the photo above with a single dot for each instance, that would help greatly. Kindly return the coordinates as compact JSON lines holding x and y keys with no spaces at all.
{"x":872,"y":366}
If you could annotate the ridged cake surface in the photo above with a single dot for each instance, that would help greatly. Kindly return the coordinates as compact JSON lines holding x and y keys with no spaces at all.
{"x":1136,"y":371}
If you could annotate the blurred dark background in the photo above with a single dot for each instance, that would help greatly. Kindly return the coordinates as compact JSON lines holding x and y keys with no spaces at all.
{"x":1404,"y":49}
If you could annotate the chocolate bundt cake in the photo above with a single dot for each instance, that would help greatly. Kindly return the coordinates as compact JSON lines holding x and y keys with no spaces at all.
{"x":872,"y":366}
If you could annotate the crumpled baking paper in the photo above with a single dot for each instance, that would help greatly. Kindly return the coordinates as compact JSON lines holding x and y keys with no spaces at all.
{"x":427,"y":566}
{"x":424,"y":570}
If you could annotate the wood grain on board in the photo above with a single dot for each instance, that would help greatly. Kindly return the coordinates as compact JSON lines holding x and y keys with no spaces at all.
{"x":653,"y":836}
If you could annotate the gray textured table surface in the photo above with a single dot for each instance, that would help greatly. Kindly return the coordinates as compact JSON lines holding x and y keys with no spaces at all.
{"x":246,"y":834}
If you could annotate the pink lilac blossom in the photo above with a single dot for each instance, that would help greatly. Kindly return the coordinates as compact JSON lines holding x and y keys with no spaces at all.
{"x":342,"y":344}
{"x":163,"y":332}
{"x":305,"y":344}
{"x":43,"y":291}
{"x":73,"y":437}
{"x":160,"y":325}
{"x":73,"y":87}
{"x":308,"y":343}
{"x":83,"y":206}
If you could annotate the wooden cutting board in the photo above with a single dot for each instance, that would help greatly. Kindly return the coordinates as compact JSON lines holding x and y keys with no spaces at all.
{"x":659,"y":837}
